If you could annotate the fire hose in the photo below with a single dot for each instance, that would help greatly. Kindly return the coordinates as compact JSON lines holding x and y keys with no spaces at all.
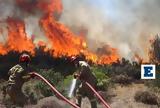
{"x":54,"y":89}
{"x":65,"y":99}
{"x":97,"y":94}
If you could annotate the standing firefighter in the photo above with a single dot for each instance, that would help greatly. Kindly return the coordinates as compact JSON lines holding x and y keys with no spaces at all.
{"x":84,"y":74}
{"x":18,"y":75}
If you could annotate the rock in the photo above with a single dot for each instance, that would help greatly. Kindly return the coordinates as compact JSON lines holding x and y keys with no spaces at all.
{"x":51,"y":102}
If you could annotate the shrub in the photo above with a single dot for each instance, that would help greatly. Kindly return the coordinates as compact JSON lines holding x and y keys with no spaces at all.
{"x":146,"y":97}
{"x":55,"y":78}
{"x":103,"y":80}
{"x":31,"y":92}
{"x":154,"y":84}
{"x":67,"y":81}
{"x":122,"y":79}
{"x":127,"y":68}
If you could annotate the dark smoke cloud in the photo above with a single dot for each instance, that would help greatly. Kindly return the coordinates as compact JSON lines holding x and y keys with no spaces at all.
{"x":124,"y":24}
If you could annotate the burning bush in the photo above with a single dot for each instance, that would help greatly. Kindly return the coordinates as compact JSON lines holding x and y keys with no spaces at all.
{"x":62,"y":42}
{"x":41,"y":60}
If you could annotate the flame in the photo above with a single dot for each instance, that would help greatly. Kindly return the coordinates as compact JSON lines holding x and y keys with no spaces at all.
{"x":17,"y":37}
{"x":2,"y":49}
{"x":43,"y":46}
{"x":107,"y":55}
{"x":62,"y":41}
{"x":90,"y":56}
{"x":138,"y":58}
{"x":50,"y":6}
{"x":47,"y":6}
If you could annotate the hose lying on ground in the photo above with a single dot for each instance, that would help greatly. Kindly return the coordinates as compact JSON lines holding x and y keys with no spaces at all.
{"x":54,"y":89}
{"x":96,"y":93}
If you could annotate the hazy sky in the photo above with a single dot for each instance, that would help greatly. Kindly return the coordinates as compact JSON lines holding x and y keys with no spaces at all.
{"x":124,"y":24}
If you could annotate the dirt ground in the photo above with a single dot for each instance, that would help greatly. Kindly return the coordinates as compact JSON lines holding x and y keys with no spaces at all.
{"x":124,"y":98}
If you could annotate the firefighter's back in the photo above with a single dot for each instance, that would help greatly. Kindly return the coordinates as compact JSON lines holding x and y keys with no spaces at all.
{"x":15,"y":75}
{"x":15,"y":84}
{"x":87,"y":74}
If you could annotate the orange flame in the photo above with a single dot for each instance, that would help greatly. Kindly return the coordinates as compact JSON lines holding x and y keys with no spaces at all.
{"x":63,"y":42}
{"x":2,"y":49}
{"x":43,"y":46}
{"x":107,"y":55}
{"x":17,"y":37}
{"x":50,"y":6}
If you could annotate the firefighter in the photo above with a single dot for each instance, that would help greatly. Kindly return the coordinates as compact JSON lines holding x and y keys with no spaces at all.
{"x":18,"y":75}
{"x":84,"y":74}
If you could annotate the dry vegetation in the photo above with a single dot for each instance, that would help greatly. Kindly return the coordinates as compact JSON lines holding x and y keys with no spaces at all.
{"x":118,"y":81}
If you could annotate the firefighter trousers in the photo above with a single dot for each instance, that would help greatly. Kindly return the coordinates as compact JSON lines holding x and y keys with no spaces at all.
{"x":16,"y":95}
{"x":84,"y":92}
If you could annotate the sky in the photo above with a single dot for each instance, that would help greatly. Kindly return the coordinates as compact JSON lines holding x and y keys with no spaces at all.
{"x":126,"y":25}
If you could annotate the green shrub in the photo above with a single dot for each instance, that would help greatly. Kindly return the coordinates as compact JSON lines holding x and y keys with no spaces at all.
{"x":55,"y":78}
{"x":103,"y":80}
{"x":67,"y":81}
{"x":62,"y":83}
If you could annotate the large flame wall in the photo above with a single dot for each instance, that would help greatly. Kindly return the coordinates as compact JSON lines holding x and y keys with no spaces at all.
{"x":62,"y":41}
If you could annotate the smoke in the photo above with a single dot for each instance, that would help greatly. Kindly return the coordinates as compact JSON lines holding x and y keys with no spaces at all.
{"x":23,"y":10}
{"x":124,"y":24}
{"x":6,"y":9}
{"x":33,"y":28}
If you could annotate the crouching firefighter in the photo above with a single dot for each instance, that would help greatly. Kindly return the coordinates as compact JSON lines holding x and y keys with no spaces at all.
{"x":18,"y":75}
{"x":83,"y":75}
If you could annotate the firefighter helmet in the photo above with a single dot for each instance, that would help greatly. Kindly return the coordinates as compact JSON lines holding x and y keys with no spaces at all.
{"x":77,"y":58}
{"x":73,"y":58}
{"x":24,"y":58}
